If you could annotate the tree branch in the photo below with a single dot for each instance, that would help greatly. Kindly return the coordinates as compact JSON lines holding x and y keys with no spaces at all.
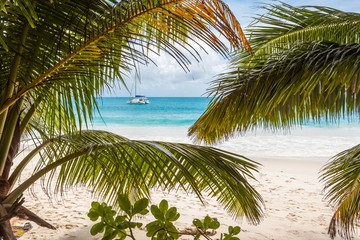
{"x":12,"y":210}
{"x":25,"y":213}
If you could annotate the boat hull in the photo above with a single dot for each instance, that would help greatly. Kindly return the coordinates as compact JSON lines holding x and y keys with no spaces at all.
{"x":138,"y":101}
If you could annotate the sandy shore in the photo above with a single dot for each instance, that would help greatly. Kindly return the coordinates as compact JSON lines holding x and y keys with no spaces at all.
{"x":295,"y":208}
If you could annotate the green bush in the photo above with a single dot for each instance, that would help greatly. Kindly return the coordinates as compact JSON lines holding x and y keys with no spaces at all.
{"x":163,"y":228}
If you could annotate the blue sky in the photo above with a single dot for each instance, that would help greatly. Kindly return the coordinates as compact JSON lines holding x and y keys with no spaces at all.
{"x":168,"y":79}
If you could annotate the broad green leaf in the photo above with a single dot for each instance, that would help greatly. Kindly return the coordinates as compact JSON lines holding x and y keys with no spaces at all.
{"x":215,"y":225}
{"x":163,"y":206}
{"x":207,"y":221}
{"x":120,"y":219}
{"x":171,"y":214}
{"x":197,"y":236}
{"x":110,"y":234}
{"x":144,"y":212}
{"x":127,"y":224}
{"x":140,"y":206}
{"x":173,"y":232}
{"x":93,"y":215}
{"x":153,"y":227}
{"x":121,"y":234}
{"x":236,"y":230}
{"x":162,"y":235}
{"x":125,"y":204}
{"x":157,"y":213}
{"x":198,"y":223}
{"x":176,"y":217}
{"x":97,"y":228}
{"x":95,"y":205}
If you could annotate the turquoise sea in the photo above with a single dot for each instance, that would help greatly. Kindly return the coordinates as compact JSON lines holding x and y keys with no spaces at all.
{"x":168,"y":119}
{"x":162,"y":111}
{"x":174,"y":111}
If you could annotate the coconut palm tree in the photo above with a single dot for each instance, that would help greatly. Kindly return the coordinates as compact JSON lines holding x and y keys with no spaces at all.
{"x":304,"y":66}
{"x":56,"y":57}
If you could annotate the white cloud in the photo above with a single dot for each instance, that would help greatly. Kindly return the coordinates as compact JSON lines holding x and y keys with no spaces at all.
{"x":168,"y":79}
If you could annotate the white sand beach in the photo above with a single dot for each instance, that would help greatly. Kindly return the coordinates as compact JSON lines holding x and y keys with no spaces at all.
{"x":295,"y":208}
{"x":288,"y":182}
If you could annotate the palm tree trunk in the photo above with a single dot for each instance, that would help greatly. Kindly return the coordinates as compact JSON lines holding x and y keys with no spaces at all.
{"x":7,"y":211}
{"x":5,"y":215}
{"x":9,"y":91}
{"x":11,"y":138}
{"x":5,"y":227}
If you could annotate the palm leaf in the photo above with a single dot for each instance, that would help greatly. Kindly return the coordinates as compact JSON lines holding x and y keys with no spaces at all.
{"x":111,"y":164}
{"x":25,"y":7}
{"x":78,"y":50}
{"x":341,"y":177}
{"x":311,"y":81}
{"x":2,"y":42}
{"x":283,"y":24}
{"x":107,"y":43}
{"x":304,"y":67}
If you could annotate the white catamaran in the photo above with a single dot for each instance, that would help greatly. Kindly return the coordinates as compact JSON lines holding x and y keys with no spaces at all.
{"x":138,"y":99}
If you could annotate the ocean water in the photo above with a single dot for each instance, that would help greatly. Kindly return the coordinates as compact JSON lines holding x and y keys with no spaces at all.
{"x":168,"y":119}
{"x":161,"y":111}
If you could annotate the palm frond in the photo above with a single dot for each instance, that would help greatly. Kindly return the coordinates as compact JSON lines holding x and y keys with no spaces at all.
{"x":283,"y":24}
{"x":24,"y":7}
{"x":78,"y":50}
{"x":111,"y":164}
{"x":108,"y":41}
{"x":2,"y":42}
{"x":311,"y":81}
{"x":304,"y":67}
{"x":341,"y":178}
